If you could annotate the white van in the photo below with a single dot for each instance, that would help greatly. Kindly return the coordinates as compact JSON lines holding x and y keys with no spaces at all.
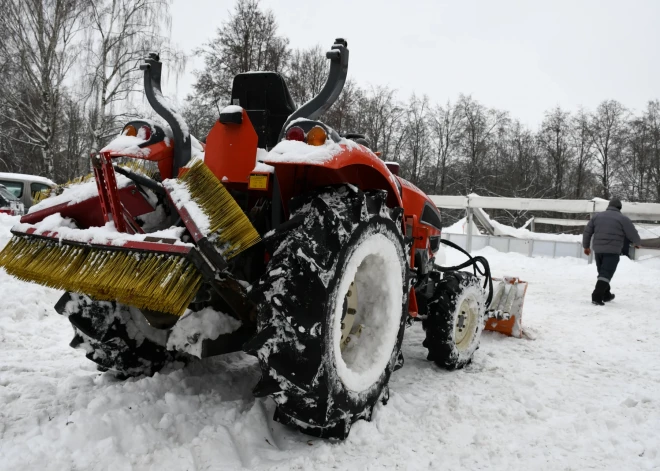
{"x":25,"y":187}
{"x":9,"y":204}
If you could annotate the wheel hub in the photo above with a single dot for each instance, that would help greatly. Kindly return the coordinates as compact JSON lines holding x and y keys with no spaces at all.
{"x":466,"y":323}
{"x":348,"y":317}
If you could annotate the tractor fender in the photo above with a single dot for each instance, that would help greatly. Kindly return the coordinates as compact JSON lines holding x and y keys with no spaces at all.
{"x":353,"y":164}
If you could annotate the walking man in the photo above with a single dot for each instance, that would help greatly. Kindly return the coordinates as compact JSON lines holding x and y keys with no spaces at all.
{"x":609,"y":230}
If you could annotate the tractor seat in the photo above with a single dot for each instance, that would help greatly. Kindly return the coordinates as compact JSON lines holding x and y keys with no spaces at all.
{"x":267,"y":101}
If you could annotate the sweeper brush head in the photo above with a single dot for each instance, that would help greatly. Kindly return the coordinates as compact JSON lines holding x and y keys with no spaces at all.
{"x":230,"y":229}
{"x":147,"y":280}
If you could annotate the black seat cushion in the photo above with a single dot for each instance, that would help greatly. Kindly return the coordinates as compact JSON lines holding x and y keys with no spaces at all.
{"x":266,"y":98}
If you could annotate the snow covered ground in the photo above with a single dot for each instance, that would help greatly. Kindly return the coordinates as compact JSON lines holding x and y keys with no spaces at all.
{"x":584,"y":395}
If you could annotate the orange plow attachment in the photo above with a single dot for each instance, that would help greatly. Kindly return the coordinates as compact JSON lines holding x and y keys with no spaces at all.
{"x":505,"y":311}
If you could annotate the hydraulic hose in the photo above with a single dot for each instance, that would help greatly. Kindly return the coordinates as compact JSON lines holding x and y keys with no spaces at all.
{"x":479,"y":265}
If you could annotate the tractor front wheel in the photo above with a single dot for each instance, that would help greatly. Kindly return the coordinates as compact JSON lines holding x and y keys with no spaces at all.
{"x":455,"y":320}
{"x":332,"y":310}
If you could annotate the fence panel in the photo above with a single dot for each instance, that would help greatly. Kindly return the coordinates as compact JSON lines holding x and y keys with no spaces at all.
{"x":535,"y":248}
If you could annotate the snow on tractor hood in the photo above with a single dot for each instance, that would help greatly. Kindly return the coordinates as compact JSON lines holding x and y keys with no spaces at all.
{"x":296,"y":152}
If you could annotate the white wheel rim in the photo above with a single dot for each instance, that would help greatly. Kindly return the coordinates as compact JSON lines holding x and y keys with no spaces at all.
{"x":348,"y":316}
{"x":374,"y":268}
{"x":465,"y":322}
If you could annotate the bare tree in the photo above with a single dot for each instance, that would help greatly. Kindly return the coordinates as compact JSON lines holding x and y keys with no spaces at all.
{"x":343,"y":114}
{"x":306,"y":73}
{"x":120,"y":33}
{"x":445,"y":124}
{"x":247,"y":41}
{"x":582,"y":144}
{"x":607,"y":130}
{"x":652,"y":119}
{"x":39,"y":48}
{"x":479,"y":127}
{"x":416,"y":139}
{"x":635,"y":173}
{"x":554,"y":137}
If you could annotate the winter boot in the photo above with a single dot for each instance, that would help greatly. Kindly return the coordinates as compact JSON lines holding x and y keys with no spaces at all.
{"x":599,"y":293}
{"x":609,"y":296}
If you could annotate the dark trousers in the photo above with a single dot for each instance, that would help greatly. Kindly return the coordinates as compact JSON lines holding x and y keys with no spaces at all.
{"x":606,"y":264}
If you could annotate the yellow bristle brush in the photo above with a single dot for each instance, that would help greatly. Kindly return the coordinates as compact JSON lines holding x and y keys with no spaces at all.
{"x":230,"y":230}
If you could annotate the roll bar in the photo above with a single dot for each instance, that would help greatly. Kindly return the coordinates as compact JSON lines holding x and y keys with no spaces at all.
{"x":338,"y":56}
{"x":152,"y":68}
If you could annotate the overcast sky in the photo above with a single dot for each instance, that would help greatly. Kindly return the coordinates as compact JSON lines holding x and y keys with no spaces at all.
{"x":521,"y":56}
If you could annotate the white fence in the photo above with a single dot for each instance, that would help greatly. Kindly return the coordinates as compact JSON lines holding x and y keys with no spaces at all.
{"x":473,"y":204}
{"x":635,"y":211}
{"x":529,"y":247}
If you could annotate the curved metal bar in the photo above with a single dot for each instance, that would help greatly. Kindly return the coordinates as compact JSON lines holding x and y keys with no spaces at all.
{"x":338,"y":56}
{"x":152,"y":68}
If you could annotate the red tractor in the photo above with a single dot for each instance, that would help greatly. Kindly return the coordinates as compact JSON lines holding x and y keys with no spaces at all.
{"x":277,"y":236}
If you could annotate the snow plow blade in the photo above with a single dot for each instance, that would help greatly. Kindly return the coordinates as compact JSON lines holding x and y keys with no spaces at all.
{"x":505,"y":311}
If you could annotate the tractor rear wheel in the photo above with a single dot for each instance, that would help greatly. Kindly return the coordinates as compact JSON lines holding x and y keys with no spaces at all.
{"x":116,"y":337}
{"x":455,"y":320}
{"x":332,"y":310}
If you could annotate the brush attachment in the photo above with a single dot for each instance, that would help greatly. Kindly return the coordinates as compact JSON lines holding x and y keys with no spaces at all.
{"x":147,"y":280}
{"x":230,"y":230}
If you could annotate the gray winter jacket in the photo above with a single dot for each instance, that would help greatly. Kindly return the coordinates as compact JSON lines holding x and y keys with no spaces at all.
{"x":609,"y":229}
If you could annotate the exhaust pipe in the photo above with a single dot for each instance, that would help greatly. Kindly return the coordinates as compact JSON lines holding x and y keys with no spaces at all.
{"x":318,"y":105}
{"x":152,"y":68}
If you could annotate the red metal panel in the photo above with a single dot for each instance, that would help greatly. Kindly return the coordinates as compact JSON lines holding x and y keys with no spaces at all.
{"x":88,"y":213}
{"x":231,"y":150}
{"x":131,"y":245}
{"x":160,"y":152}
{"x":110,"y":190}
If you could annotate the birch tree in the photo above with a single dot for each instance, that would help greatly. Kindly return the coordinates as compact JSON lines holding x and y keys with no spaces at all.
{"x":120,"y":34}
{"x":38,"y":48}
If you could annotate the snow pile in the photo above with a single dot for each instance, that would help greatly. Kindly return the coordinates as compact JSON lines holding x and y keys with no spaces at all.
{"x":6,"y":223}
{"x":193,"y":328}
{"x":231,"y":109}
{"x":261,"y":167}
{"x":647,"y":231}
{"x":583,"y":395}
{"x":299,"y":152}
{"x":521,"y":233}
{"x":182,"y":199}
{"x":376,"y":269}
{"x":77,"y":192}
{"x":460,"y":227}
{"x":128,"y":145}
{"x":197,"y":149}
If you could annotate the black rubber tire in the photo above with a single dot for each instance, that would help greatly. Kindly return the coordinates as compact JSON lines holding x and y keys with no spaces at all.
{"x":297,"y":297}
{"x":443,"y":310}
{"x":115,"y":338}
